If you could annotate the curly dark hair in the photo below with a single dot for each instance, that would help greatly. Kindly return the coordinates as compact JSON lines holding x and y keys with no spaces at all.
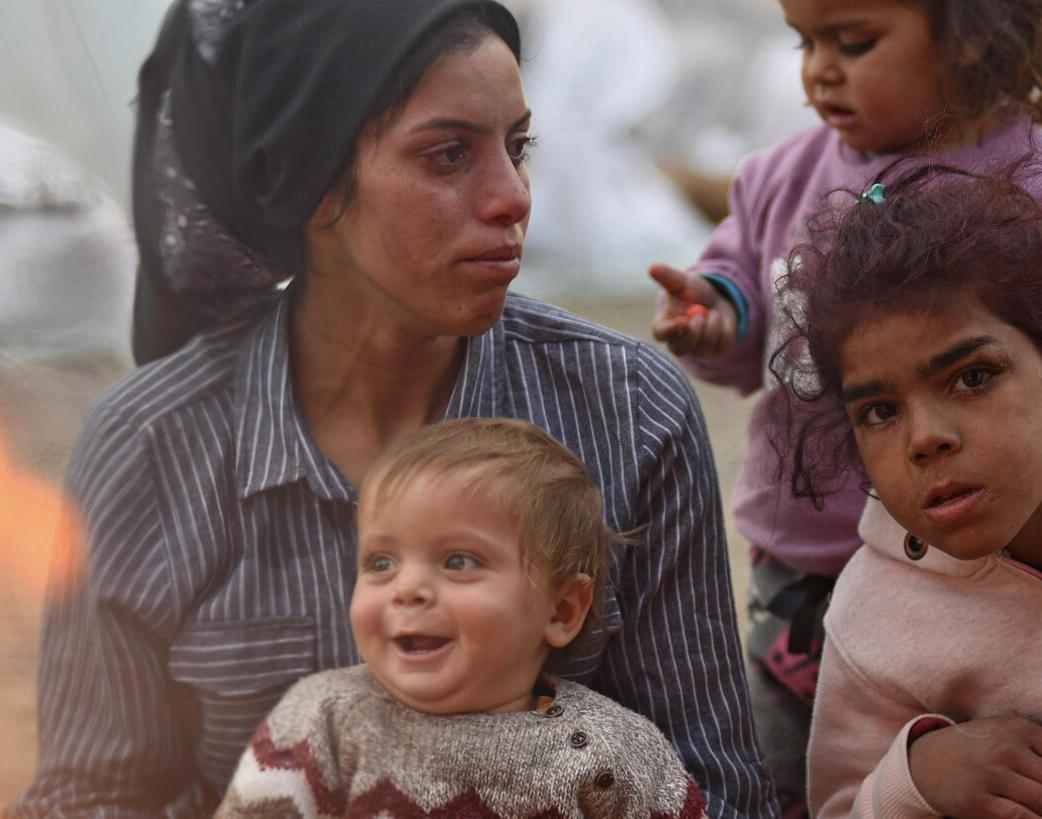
{"x":926,"y":241}
{"x":993,"y":51}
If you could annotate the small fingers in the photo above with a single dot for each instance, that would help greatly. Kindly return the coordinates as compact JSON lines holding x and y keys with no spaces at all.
{"x":673,"y":281}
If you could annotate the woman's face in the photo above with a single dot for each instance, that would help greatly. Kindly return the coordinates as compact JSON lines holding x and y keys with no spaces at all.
{"x":433,"y":232}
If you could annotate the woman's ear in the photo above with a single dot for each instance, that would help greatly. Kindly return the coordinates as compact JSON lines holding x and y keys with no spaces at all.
{"x":328,"y":209}
{"x":573,"y":599}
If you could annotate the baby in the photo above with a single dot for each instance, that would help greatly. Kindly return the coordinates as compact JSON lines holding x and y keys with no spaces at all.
{"x":482,"y":550}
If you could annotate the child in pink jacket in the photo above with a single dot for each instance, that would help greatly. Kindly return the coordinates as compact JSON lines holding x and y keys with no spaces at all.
{"x":922,"y":325}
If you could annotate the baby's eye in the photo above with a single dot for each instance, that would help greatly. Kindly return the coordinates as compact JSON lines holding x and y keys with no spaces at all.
{"x":461,"y":562}
{"x":805,"y":44}
{"x":520,"y":149}
{"x":379,"y":563}
{"x":876,"y":414}
{"x":858,"y":48}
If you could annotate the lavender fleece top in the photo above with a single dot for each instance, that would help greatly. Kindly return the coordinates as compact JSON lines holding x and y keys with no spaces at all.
{"x":772,"y":196}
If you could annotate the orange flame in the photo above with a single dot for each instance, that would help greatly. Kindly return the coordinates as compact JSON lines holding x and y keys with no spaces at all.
{"x":41,"y":545}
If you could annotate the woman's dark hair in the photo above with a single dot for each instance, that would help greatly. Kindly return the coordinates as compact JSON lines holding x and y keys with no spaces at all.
{"x":993,"y":53}
{"x":925,"y":241}
{"x":462,"y":30}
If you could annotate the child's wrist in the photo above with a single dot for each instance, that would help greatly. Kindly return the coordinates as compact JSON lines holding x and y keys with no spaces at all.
{"x":735,"y":297}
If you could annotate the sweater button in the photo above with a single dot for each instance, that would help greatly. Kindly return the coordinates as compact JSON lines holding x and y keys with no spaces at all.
{"x":604,"y":780}
{"x":579,"y":739}
{"x":554,"y":711}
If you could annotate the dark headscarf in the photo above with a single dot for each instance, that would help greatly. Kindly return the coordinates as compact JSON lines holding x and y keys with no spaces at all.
{"x":248,"y":111}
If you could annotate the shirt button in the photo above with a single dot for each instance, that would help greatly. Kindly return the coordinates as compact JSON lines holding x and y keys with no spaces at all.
{"x":604,"y":780}
{"x":579,"y":739}
{"x":554,"y":711}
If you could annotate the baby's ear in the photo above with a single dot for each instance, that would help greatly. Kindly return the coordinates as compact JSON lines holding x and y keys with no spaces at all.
{"x":573,"y":599}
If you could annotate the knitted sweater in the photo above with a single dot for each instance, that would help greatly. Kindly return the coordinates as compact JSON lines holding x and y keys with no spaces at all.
{"x":338,"y":745}
{"x":909,"y":638}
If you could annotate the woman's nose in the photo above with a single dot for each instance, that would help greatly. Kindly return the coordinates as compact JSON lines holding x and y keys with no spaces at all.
{"x":505,"y":193}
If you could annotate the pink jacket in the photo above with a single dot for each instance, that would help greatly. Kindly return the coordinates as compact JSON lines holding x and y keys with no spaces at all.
{"x":910,"y":638}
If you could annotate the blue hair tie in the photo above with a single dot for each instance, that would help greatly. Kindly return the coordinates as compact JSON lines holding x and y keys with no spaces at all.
{"x":875,"y":193}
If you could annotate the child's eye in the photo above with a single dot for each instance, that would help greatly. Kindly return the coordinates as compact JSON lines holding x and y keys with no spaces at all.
{"x":973,"y":379}
{"x":461,"y":562}
{"x":805,"y":44}
{"x":520,"y":149}
{"x":378,"y":563}
{"x":856,"y":49}
{"x":875,"y":414}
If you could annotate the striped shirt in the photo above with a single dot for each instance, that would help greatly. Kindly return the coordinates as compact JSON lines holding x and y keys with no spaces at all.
{"x":222,"y":559}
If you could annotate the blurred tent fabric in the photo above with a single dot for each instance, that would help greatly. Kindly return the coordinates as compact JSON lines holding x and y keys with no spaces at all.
{"x":617,"y":84}
{"x":598,"y":69}
{"x":67,"y":257}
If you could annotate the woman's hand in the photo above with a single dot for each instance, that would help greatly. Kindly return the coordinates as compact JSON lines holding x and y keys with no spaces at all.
{"x":981,"y":769}
{"x":692,"y":317}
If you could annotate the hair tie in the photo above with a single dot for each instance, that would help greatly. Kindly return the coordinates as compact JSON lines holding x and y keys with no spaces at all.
{"x":875,"y":193}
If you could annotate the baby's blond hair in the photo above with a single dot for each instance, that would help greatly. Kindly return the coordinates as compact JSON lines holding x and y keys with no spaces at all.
{"x":556,"y":505}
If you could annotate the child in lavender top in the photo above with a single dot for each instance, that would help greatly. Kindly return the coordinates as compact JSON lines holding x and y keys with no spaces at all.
{"x":924,"y":80}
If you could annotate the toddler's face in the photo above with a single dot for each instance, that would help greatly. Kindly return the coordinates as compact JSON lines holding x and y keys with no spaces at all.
{"x":945,"y":407}
{"x":443,"y":611}
{"x":871,"y":69}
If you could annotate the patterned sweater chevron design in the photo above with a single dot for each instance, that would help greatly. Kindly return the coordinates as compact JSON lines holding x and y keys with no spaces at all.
{"x":338,"y":745}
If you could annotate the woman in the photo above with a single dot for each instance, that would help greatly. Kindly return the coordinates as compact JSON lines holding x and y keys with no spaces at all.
{"x":384,"y":164}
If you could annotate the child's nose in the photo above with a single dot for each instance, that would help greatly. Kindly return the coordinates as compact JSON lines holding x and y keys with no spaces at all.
{"x":931,"y":435}
{"x":822,"y":67}
{"x":413,"y":586}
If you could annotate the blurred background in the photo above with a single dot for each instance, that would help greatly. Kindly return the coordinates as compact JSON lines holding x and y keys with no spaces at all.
{"x":642,"y":109}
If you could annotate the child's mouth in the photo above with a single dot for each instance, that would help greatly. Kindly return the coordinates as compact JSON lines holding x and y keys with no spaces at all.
{"x":941,"y":500}
{"x":953,"y":506}
{"x":419,"y":643}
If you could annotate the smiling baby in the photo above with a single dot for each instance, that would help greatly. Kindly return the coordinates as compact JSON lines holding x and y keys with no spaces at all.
{"x":482,"y":551}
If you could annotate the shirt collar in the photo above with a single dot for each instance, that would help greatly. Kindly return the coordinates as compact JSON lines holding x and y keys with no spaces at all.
{"x":272,"y":445}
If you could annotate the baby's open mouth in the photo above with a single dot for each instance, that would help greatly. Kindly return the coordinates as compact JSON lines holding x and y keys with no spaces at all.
{"x":419,"y":643}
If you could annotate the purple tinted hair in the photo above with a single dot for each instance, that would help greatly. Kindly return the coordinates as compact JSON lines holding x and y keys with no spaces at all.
{"x":936,"y":233}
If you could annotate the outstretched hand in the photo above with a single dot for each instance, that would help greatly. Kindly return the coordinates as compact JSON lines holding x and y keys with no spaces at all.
{"x":691,"y":317}
{"x":981,"y":769}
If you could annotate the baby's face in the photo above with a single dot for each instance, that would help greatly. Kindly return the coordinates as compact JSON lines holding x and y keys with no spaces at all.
{"x":444,"y":612}
{"x":945,"y":411}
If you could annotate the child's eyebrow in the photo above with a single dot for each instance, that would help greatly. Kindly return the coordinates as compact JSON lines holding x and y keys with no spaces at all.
{"x":954,"y":354}
{"x":937,"y":363}
{"x":865,"y":390}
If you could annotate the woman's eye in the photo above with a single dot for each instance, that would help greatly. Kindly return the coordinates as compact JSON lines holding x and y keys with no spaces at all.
{"x":449,"y":157}
{"x":461,"y":562}
{"x":521,"y":149}
{"x":856,"y":49}
{"x":876,"y":414}
{"x":379,"y":563}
